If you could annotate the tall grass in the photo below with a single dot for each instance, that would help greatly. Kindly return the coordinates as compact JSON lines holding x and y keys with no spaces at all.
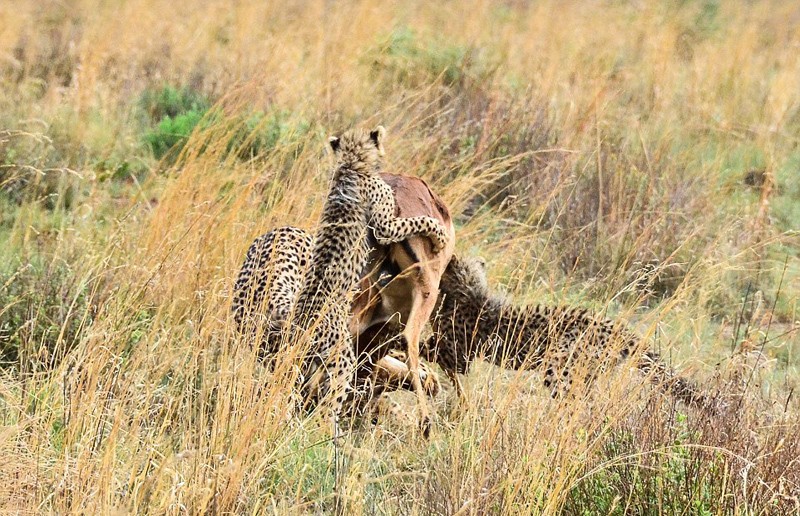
{"x":596,"y":153}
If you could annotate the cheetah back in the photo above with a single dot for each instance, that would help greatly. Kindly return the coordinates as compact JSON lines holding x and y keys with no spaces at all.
{"x":269,"y":280}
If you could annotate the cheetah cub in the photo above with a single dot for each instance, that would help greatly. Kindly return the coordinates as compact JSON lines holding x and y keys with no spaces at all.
{"x":265,"y":294}
{"x":472,"y":322}
{"x":359,"y":203}
{"x":268,"y":283}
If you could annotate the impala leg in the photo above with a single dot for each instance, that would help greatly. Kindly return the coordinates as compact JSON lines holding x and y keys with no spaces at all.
{"x":422,"y":307}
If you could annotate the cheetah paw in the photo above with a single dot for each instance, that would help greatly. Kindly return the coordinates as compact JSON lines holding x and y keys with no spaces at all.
{"x":438,"y":241}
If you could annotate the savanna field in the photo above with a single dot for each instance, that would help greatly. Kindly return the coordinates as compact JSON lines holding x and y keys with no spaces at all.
{"x":640,"y":159}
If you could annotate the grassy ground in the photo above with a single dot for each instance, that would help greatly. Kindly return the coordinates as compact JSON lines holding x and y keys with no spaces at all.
{"x":637,"y":158}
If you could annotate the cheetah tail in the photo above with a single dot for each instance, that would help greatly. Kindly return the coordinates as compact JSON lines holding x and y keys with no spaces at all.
{"x":671,"y":382}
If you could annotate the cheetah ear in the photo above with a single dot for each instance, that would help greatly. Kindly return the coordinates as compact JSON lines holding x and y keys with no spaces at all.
{"x":453,"y":263}
{"x":377,"y":135}
{"x":334,"y":142}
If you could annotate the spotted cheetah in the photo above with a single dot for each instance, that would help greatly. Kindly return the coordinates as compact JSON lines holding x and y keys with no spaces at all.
{"x":473,"y":322}
{"x":266,"y":289}
{"x":390,"y":373}
{"x":265,"y":293}
{"x":358,"y":201}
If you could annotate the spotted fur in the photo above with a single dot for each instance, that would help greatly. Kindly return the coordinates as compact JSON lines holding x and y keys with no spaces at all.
{"x":269,"y":281}
{"x":265,"y":294}
{"x":358,"y":201}
{"x":472,"y":322}
{"x":376,"y":380}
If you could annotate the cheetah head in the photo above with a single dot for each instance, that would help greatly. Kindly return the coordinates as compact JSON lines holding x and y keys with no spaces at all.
{"x":466,"y":277}
{"x":358,"y":149}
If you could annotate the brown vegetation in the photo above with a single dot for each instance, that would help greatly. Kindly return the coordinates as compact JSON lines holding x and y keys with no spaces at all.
{"x":594,"y":153}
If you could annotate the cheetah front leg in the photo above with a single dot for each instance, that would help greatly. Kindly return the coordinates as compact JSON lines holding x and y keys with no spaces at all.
{"x":341,"y":366}
{"x":442,"y":350}
{"x":327,"y":377}
{"x":397,"y":230}
{"x":389,"y":229}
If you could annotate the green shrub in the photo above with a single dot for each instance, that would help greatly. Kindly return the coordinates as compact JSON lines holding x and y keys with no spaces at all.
{"x":258,"y":133}
{"x":633,"y":480}
{"x":169,"y":101}
{"x":172,"y":133}
{"x":172,"y":115}
{"x":250,"y":134}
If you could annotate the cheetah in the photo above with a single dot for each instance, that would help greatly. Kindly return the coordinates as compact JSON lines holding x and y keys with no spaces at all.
{"x":264,"y":295}
{"x":358,"y":201}
{"x":471,"y":321}
{"x":268,"y":284}
{"x":390,"y":373}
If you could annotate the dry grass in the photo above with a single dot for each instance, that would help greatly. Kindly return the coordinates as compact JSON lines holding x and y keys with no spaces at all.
{"x":596,"y":153}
